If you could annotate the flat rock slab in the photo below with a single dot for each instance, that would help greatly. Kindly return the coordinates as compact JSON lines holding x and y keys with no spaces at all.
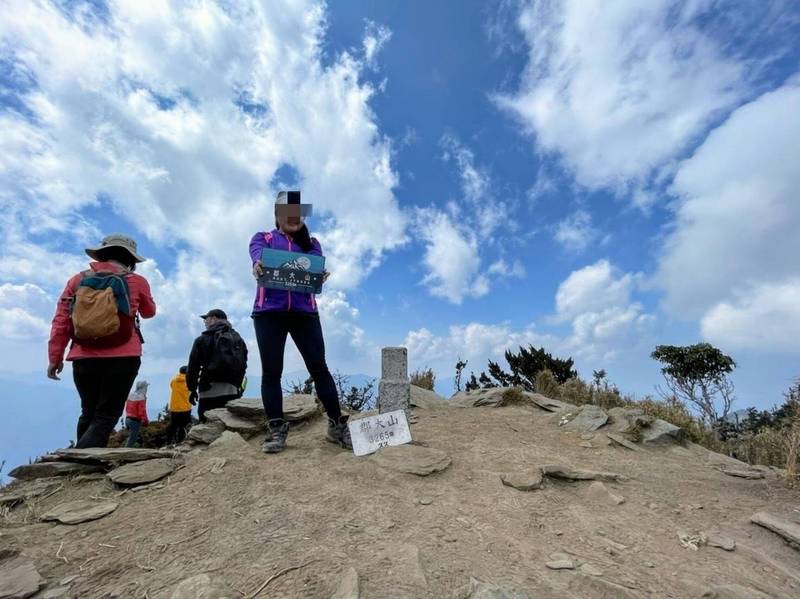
{"x":561,"y":564}
{"x":524,"y":481}
{"x":624,"y":419}
{"x":112,"y":454}
{"x":588,"y":419}
{"x":742,"y":472}
{"x":75,"y":512}
{"x":785,"y":528}
{"x":247,"y":407}
{"x":661,"y":432}
{"x":734,"y":591}
{"x":202,"y":586}
{"x":232,"y":422}
{"x":19,"y":579}
{"x":299,"y":406}
{"x":413,"y":459}
{"x":48,"y":469}
{"x":567,"y":473}
{"x":620,"y":440}
{"x":549,"y":404}
{"x":206,"y":432}
{"x":142,"y":473}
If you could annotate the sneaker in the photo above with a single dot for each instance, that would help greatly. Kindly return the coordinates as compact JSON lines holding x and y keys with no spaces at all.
{"x":339,"y":433}
{"x":276,"y":437}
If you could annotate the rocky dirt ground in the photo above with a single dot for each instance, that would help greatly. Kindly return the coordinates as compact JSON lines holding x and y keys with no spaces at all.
{"x":331,"y":524}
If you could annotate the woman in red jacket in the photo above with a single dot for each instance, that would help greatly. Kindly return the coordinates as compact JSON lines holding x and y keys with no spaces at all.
{"x":103,"y":369}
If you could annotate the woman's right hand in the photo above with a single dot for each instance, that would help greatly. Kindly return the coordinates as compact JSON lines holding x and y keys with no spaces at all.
{"x":258,"y":269}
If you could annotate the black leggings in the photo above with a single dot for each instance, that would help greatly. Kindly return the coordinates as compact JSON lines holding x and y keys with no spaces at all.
{"x":103,"y":384}
{"x":178,"y":422}
{"x":305,"y":329}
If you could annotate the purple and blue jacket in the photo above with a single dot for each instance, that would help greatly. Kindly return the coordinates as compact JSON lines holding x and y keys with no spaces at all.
{"x":274,"y":300}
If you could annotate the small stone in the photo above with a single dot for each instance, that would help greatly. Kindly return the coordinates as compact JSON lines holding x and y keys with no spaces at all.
{"x":588,"y":436}
{"x":648,"y":564}
{"x":229,"y":440}
{"x":69,"y":580}
{"x":561,"y":564}
{"x":742,"y":472}
{"x":75,"y":512}
{"x":600,"y":492}
{"x":567,"y":473}
{"x":620,"y":440}
{"x":558,"y":533}
{"x":591,"y":570}
{"x":721,"y":541}
{"x":523,"y":481}
{"x":425,"y":501}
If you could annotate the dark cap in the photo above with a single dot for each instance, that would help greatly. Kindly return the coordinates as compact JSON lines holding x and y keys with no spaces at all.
{"x":215,"y":312}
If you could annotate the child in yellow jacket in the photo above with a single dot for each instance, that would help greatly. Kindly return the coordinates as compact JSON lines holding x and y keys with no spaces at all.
{"x":180,"y":409}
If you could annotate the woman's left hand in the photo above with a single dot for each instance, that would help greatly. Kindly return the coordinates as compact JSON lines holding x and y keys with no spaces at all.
{"x":325,"y":275}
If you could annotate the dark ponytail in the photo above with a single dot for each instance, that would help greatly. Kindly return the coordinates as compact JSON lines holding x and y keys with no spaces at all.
{"x":301,"y":237}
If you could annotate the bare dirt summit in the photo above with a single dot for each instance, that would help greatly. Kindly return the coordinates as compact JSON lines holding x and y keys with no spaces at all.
{"x":501,"y":499}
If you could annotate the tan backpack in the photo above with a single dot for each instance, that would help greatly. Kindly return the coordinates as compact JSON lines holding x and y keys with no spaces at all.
{"x":100,"y":310}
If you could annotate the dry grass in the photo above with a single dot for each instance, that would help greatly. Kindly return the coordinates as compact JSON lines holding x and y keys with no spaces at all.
{"x":424,"y":378}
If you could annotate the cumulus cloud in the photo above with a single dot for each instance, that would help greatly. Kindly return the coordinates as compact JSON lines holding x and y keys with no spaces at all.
{"x":766,"y":318}
{"x":170,"y":120}
{"x":618,"y":90}
{"x":736,"y":223}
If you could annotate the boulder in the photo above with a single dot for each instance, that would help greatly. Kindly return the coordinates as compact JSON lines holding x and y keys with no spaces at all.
{"x":112,"y":454}
{"x":19,"y":579}
{"x":661,"y":432}
{"x":300,"y":406}
{"x":141,"y":473}
{"x":787,"y":529}
{"x":48,"y":469}
{"x":206,"y":432}
{"x":229,"y":440}
{"x":75,"y":512}
{"x":251,"y":408}
{"x":202,"y":586}
{"x":243,"y":426}
{"x":494,"y":397}
{"x":588,"y":419}
{"x":524,"y":481}
{"x":413,"y":459}
{"x":348,"y":587}
{"x":425,"y":399}
{"x":567,"y":473}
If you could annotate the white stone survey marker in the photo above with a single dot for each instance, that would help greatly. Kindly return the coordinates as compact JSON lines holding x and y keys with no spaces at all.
{"x":371,"y":433}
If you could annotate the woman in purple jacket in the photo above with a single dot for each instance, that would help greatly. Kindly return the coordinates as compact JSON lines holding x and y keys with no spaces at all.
{"x":277,"y":313}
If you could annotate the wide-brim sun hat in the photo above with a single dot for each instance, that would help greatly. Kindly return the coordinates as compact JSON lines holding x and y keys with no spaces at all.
{"x":116,"y":240}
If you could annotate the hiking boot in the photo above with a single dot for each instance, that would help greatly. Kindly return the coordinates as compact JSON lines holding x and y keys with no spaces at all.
{"x":339,"y":433}
{"x":276,"y":437}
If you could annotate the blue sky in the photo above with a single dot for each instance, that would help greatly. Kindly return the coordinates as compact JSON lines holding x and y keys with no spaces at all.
{"x":593,"y":177}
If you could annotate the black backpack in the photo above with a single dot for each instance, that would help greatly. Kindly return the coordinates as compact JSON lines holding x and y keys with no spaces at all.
{"x":228,"y":360}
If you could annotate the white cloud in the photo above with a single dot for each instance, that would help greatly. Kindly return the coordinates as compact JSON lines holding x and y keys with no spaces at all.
{"x":19,"y":320}
{"x":501,"y":267}
{"x":766,"y":318}
{"x":451,"y":258}
{"x":618,"y":90}
{"x":593,"y":288}
{"x":735,"y":231}
{"x":576,"y":232}
{"x":171,"y":119}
